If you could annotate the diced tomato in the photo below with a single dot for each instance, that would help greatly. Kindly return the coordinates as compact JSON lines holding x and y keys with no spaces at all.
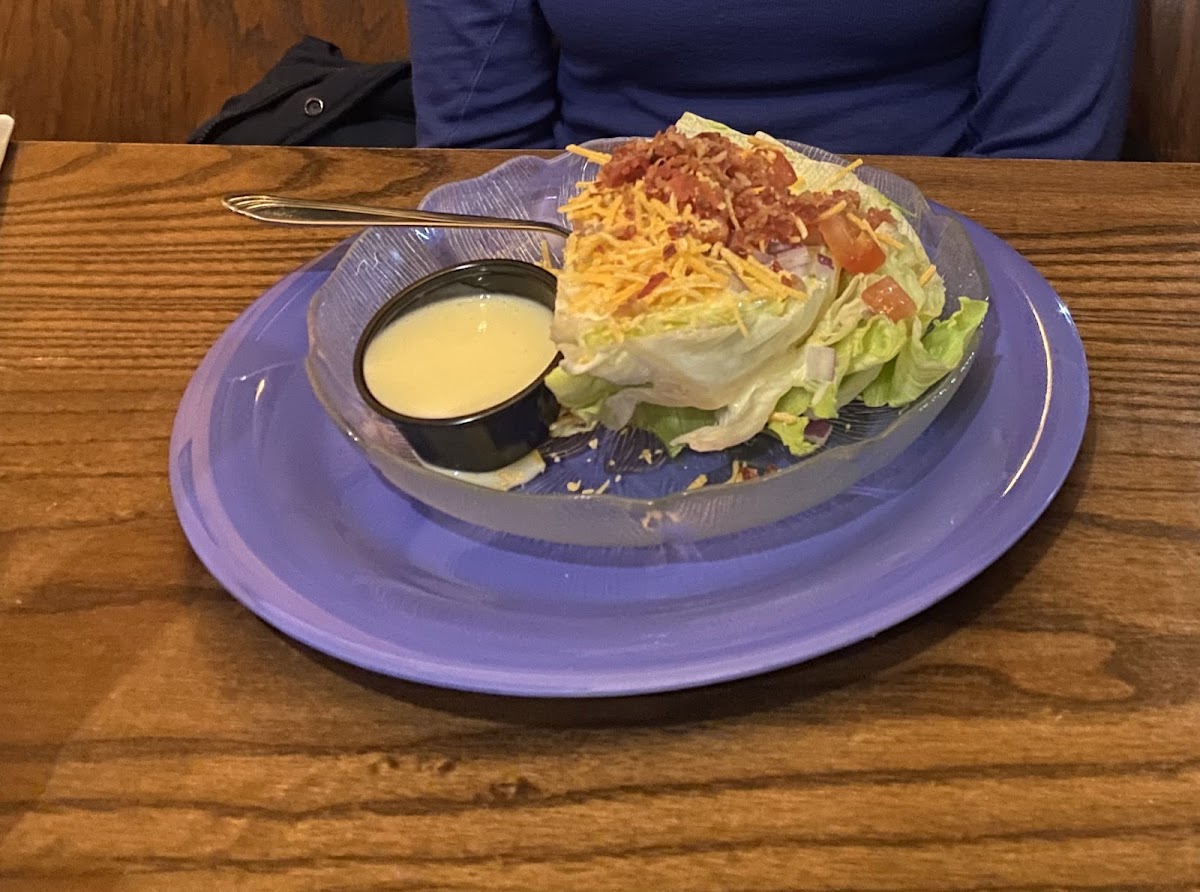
{"x":889,"y":299}
{"x":853,"y":250}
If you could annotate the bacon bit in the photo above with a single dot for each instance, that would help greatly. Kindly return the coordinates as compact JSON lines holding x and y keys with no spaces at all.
{"x":700,"y":481}
{"x":788,"y":279}
{"x":669,"y":251}
{"x":876,"y":217}
{"x":626,"y":232}
{"x":781,"y":174}
{"x":748,"y":473}
{"x":736,"y":197}
{"x":653,"y":282}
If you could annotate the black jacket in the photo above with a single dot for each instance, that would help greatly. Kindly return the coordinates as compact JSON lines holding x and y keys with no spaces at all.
{"x":314,"y":96}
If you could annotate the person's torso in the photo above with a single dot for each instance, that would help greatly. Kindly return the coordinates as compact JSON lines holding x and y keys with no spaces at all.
{"x":868,"y":76}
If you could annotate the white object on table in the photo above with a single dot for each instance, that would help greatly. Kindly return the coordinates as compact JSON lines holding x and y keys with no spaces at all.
{"x":6,"y":129}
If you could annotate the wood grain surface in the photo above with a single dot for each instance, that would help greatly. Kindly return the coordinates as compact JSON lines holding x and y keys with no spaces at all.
{"x":1040,"y":729}
{"x":151,"y":70}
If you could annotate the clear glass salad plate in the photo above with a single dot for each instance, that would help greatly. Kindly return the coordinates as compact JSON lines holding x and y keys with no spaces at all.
{"x":643,"y":497}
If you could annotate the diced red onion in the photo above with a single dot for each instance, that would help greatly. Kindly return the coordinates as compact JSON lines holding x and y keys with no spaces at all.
{"x":794,"y":261}
{"x":818,"y":431}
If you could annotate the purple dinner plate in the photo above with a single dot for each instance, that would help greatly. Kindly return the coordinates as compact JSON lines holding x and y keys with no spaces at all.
{"x":289,"y":516}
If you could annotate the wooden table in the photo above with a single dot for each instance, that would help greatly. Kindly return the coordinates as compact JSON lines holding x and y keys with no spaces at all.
{"x":1038,"y":730}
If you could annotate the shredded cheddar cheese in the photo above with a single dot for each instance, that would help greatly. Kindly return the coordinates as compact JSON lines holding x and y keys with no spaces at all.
{"x":927,"y":276}
{"x":890,"y":241}
{"x":589,"y":154}
{"x":625,"y":259}
{"x":832,"y":211}
{"x":848,"y":169}
{"x":865,"y":227}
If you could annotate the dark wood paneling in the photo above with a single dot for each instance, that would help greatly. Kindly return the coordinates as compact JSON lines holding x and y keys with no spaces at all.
{"x":1166,"y":98}
{"x":149,"y":70}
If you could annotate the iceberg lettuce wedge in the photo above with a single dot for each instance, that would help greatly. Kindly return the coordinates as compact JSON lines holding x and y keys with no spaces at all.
{"x":714,"y":373}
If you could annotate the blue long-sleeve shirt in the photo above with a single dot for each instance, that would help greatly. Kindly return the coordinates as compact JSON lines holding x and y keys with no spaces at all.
{"x":1032,"y":78}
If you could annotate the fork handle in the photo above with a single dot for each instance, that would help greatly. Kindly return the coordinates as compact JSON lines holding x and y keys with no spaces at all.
{"x":302,"y":212}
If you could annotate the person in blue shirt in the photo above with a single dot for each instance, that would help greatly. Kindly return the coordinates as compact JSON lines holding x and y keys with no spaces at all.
{"x":1016,"y":78}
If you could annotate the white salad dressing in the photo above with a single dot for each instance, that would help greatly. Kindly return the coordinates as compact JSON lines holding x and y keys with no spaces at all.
{"x":459,"y":355}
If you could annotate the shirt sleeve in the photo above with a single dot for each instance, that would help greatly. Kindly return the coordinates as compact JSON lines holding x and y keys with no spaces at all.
{"x":1054,"y":79}
{"x":483,"y":73}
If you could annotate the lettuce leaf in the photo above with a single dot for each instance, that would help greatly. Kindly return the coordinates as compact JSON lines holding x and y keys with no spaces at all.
{"x":792,"y":435}
{"x":795,"y":402}
{"x":700,"y":365}
{"x":875,"y":341}
{"x":924,"y":360}
{"x":669,"y":423}
{"x":581,"y":393}
{"x":585,"y":395}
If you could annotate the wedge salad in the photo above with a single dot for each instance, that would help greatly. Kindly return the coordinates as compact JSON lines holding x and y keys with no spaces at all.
{"x":717,"y":285}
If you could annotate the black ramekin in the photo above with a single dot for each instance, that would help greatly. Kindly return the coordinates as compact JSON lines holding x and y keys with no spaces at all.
{"x":498,"y":435}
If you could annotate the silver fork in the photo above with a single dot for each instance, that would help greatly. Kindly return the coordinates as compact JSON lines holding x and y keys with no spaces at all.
{"x":302,"y":212}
